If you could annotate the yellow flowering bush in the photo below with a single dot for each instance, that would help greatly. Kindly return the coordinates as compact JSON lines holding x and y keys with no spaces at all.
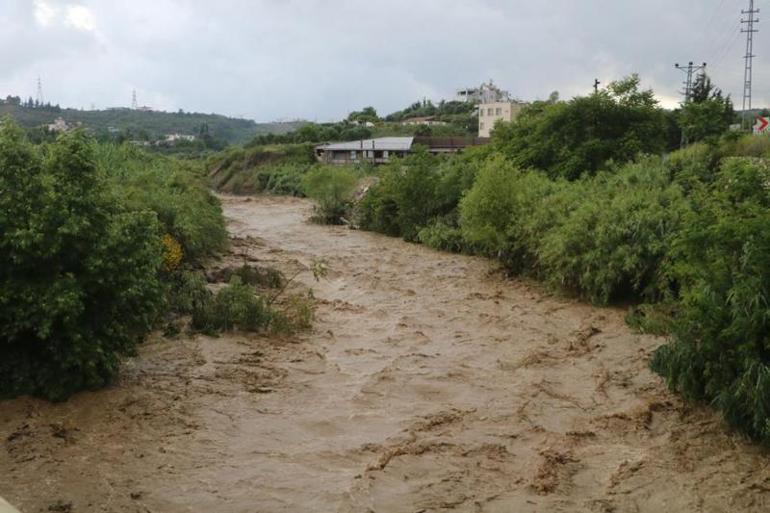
{"x":172,"y":253}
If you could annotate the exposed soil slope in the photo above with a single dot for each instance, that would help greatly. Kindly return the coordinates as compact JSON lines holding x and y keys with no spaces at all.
{"x":429,"y":384}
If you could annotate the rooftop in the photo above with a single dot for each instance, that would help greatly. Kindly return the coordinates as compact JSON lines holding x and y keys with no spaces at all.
{"x":381,"y":143}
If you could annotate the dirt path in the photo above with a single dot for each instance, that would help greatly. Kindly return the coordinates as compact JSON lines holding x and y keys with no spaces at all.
{"x":429,"y":384}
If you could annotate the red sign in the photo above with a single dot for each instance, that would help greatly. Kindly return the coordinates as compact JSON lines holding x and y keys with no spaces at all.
{"x":761,"y":125}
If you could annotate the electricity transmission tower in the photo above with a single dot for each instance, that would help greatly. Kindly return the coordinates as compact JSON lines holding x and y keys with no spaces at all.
{"x":750,"y":30}
{"x":596,"y":85}
{"x":134,"y":103}
{"x":690,"y":70}
{"x":39,"y":97}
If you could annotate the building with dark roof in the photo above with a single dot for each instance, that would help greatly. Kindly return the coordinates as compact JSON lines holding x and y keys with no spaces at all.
{"x":382,"y":149}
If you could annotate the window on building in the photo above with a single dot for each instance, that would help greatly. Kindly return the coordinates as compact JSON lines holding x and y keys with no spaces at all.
{"x":353,"y":155}
{"x":489,"y":111}
{"x":498,"y":111}
{"x":481,"y":113}
{"x":481,"y":125}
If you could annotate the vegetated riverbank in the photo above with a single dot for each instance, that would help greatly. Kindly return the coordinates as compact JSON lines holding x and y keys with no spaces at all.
{"x":429,"y":383}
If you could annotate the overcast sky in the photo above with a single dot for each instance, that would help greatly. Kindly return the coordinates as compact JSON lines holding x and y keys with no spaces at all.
{"x":320,"y":59}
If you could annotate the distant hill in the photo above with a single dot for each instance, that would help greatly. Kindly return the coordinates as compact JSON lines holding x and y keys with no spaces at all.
{"x":148,"y":124}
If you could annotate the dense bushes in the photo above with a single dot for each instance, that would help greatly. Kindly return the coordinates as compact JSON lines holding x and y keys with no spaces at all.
{"x":176,"y":191}
{"x":79,"y":271}
{"x":234,"y":307}
{"x":494,"y":213}
{"x":720,"y":346}
{"x":331,"y":188}
{"x":612,"y":243}
{"x":707,"y":115}
{"x":269,"y":169}
{"x":603,"y":237}
{"x":253,"y":300}
{"x":97,"y":243}
{"x":419,"y":192}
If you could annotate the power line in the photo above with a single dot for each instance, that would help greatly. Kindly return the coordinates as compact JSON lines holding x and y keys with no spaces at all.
{"x":726,"y":46}
{"x":714,"y":16}
{"x":750,"y":21}
{"x":717,"y":31}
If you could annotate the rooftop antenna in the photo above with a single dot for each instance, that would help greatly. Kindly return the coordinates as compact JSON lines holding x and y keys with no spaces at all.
{"x":750,"y":30}
{"x":134,"y":104}
{"x":39,"y":98}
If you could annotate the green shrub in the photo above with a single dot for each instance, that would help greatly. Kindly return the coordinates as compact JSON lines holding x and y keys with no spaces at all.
{"x":497,"y":214}
{"x":604,"y":237}
{"x":720,"y":346}
{"x":694,"y":165}
{"x":283,"y":180}
{"x":652,"y":318}
{"x":235,"y":306}
{"x":413,"y":192}
{"x":613,"y":242}
{"x":260,"y":276}
{"x":443,"y":235}
{"x":186,"y":291}
{"x":79,"y":272}
{"x":297,"y":313}
{"x":378,"y":211}
{"x":276,"y":169}
{"x":331,"y":188}
{"x":175,"y":190}
{"x":749,"y":145}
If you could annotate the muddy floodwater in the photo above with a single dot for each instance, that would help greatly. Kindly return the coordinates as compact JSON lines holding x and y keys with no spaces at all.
{"x":429,"y":383}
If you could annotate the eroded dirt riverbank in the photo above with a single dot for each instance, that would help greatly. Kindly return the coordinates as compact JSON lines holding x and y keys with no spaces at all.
{"x":428,"y":384}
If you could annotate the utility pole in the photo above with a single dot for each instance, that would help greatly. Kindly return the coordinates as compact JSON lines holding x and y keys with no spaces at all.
{"x":40,"y":99}
{"x":750,"y":30}
{"x":134,"y":104}
{"x":596,"y":85}
{"x":688,"y":70}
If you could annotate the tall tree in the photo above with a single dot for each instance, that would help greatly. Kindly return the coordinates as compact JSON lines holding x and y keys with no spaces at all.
{"x":709,"y":114}
{"x":578,"y":137}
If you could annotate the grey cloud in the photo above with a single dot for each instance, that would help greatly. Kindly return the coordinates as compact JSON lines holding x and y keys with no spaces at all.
{"x":317,"y":59}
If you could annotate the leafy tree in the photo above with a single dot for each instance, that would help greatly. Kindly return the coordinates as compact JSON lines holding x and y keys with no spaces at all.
{"x":708,"y":114}
{"x":570,"y":139}
{"x":405,"y":199}
{"x":553,"y":97}
{"x":417,"y":109}
{"x":79,"y":282}
{"x":366,"y":114}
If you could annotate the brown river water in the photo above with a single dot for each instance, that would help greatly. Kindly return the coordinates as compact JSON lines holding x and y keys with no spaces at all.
{"x":429,"y":383}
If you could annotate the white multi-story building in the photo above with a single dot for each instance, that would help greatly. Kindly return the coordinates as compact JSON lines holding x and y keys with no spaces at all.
{"x":492,"y":112}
